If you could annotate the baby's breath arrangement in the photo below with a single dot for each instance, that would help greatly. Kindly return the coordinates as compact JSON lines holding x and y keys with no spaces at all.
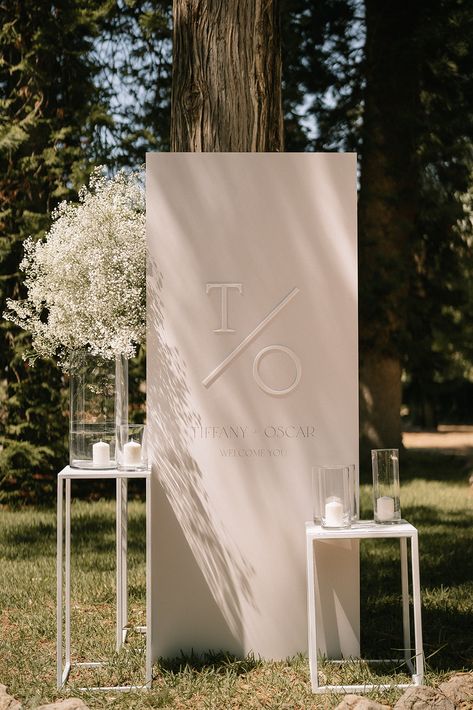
{"x":85,"y":280}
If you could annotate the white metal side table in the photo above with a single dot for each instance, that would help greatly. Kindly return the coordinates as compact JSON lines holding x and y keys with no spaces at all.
{"x":64,"y":662}
{"x":362,"y":530}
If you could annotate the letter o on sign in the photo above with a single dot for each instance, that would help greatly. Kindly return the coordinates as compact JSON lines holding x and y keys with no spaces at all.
{"x":297,"y":365}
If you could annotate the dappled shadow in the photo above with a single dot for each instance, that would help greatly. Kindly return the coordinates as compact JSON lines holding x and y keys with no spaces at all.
{"x":222,"y":567}
{"x":28,"y":540}
{"x":445,"y":544}
{"x":429,"y":465}
{"x":446,"y":570}
{"x":434,"y":466}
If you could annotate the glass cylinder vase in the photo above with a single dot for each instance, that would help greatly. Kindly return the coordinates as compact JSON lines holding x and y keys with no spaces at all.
{"x":98,"y":405}
{"x":333,"y":496}
{"x":386,"y":489}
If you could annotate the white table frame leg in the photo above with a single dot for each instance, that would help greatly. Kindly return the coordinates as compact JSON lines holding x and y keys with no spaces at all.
{"x":419,"y":677}
{"x":68,"y":573}
{"x":122,"y":567}
{"x":406,"y":625}
{"x":63,"y":608}
{"x":59,"y":576}
{"x":366,"y":530}
{"x":149,"y":664}
{"x":311,"y":608}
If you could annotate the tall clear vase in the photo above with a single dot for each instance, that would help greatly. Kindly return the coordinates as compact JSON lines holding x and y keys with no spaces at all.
{"x":98,"y":407}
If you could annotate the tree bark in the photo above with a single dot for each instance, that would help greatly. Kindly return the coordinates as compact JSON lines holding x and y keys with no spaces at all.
{"x":380,"y":402}
{"x":226,"y":84}
{"x":387,"y":214}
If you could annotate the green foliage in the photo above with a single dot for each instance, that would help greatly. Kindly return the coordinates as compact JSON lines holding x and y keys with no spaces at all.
{"x":89,"y":82}
{"x":409,"y":97}
{"x":439,"y":345}
{"x":17,"y":483}
{"x":46,"y":138}
{"x":137,"y":385}
{"x":134,"y":52}
{"x":81,"y":83}
{"x":323,"y":74}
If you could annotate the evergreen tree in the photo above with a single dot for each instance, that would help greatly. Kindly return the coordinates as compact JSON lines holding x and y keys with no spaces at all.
{"x":415,"y":266}
{"x":323,"y":76}
{"x":134,"y":53}
{"x":439,"y":351}
{"x":394,"y":82}
{"x":49,"y":114}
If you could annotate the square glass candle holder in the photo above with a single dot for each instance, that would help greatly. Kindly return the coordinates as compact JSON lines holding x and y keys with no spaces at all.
{"x":132,"y":454}
{"x":333,"y":496}
{"x":386,"y":489}
{"x":92,"y":446}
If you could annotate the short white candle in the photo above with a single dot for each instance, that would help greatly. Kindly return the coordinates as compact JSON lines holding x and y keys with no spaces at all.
{"x":334,"y":513}
{"x":385,"y":508}
{"x":101,"y":454}
{"x":132,"y":453}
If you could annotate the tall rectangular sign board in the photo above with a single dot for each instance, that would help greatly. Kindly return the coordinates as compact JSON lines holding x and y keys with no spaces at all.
{"x":252,"y":381}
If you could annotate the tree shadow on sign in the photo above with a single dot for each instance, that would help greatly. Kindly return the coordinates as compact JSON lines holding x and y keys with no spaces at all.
{"x":223,"y":576}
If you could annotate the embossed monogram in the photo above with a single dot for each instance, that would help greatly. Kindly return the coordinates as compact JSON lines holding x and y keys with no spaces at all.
{"x":224,"y":303}
{"x":248,"y":340}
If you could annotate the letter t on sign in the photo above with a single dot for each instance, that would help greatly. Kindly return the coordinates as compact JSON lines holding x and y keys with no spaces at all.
{"x":224,"y":304}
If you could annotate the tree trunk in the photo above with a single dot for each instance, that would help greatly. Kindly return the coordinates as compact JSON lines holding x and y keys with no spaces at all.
{"x":226,"y":84}
{"x":387,"y":215}
{"x":380,"y":402}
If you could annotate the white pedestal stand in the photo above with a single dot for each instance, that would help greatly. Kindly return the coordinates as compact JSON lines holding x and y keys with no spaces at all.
{"x":316,"y":534}
{"x":64,"y":663}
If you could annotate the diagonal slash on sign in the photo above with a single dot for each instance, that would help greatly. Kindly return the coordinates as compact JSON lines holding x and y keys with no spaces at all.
{"x":215,"y":374}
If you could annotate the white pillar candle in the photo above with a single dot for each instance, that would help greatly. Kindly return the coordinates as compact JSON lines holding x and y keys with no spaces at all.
{"x":385,"y":508}
{"x":132,"y":453}
{"x":334,"y":513}
{"x":101,"y":454}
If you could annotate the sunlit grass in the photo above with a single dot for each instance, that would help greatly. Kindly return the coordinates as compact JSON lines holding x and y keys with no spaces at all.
{"x":435,"y":497}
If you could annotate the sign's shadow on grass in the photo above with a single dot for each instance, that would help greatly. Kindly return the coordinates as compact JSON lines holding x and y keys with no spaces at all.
{"x":91,"y":531}
{"x":217,"y":662}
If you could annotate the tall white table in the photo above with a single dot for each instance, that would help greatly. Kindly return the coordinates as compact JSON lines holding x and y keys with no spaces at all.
{"x":316,"y":534}
{"x":64,"y":479}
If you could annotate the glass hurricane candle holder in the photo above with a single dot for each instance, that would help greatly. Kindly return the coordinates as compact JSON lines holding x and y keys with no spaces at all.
{"x":386,"y":490}
{"x":354,"y":492}
{"x":132,"y":452}
{"x":333,"y":497}
{"x":98,"y":404}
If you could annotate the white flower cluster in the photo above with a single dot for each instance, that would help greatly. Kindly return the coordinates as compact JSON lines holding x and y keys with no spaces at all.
{"x":86,"y":280}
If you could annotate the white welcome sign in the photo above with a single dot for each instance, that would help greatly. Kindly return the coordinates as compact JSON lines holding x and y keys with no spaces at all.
{"x":252,"y":380}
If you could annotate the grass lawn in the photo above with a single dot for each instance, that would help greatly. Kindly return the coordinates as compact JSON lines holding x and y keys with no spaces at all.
{"x":435,"y":497}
